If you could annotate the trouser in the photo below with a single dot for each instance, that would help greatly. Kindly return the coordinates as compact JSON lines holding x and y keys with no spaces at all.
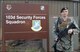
{"x":55,"y":50}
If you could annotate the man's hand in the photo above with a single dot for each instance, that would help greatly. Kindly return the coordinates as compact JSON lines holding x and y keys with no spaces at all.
{"x":73,"y":30}
{"x":70,"y":31}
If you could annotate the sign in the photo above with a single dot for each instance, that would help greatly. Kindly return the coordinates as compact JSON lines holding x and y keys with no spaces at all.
{"x":24,"y":21}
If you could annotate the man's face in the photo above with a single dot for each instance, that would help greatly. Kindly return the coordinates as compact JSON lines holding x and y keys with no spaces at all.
{"x":64,"y":13}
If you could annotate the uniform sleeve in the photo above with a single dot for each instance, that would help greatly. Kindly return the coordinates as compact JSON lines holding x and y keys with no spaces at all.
{"x":55,"y":27}
{"x":54,"y":30}
{"x":75,"y":30}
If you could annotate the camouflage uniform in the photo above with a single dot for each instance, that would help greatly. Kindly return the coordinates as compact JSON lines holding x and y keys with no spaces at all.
{"x":65,"y":43}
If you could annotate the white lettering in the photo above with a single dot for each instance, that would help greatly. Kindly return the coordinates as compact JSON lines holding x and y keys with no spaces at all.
{"x":39,"y":17}
{"x":10,"y":17}
{"x":15,"y":22}
{"x":24,"y":17}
